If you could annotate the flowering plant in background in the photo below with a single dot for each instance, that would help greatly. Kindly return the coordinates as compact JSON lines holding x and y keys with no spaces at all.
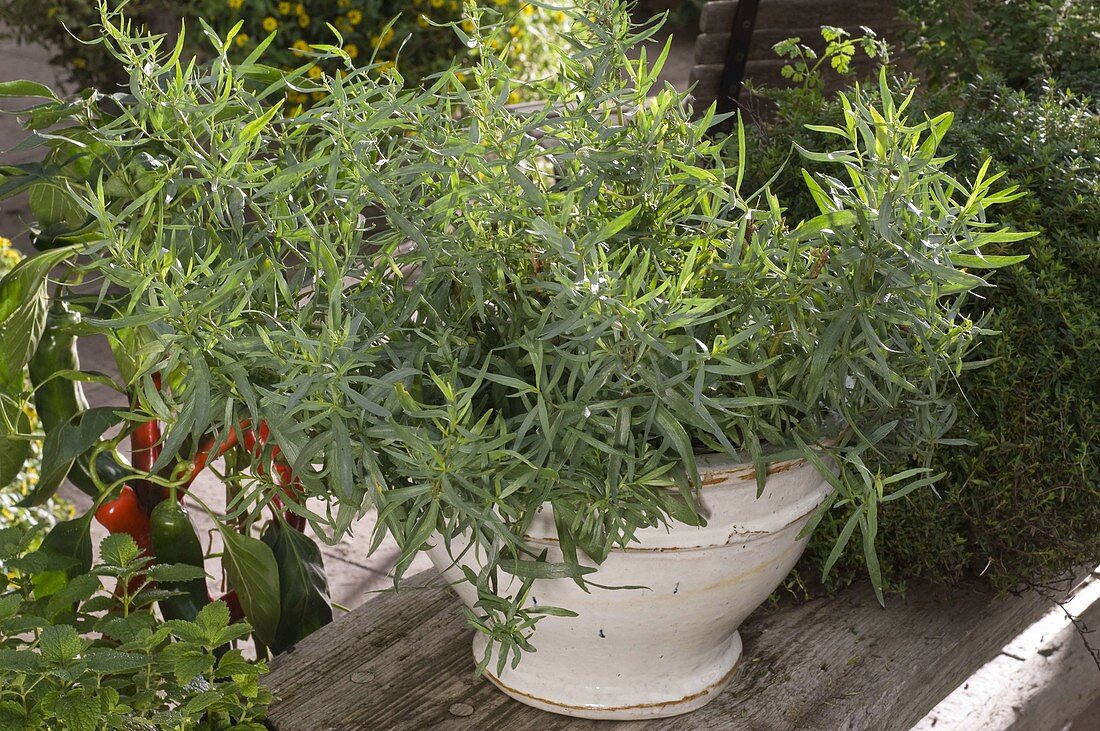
{"x":416,"y":35}
{"x":69,"y":29}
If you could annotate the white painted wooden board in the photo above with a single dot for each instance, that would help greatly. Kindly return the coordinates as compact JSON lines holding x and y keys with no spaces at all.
{"x":402,"y":662}
{"x":1046,"y":679}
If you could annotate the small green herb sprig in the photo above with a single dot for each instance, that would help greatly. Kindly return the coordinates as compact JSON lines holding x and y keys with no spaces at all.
{"x":75,"y":655}
{"x":806,"y":67}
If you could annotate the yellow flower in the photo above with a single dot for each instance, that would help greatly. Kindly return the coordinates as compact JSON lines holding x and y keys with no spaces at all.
{"x":513,"y":98}
{"x":236,"y":4}
{"x":318,"y":96}
{"x":514,"y":30}
{"x":284,"y":8}
{"x":300,"y":9}
{"x":301,"y":46}
{"x":437,"y":3}
{"x":468,"y":25}
{"x":383,"y":41}
{"x":352,"y":50}
{"x":422,"y":20}
{"x":355,"y":17}
{"x":343,"y":3}
{"x":303,"y":21}
{"x":528,"y":9}
{"x":315,"y":72}
{"x":270,"y":24}
{"x":79,"y":63}
{"x":241,"y":39}
{"x":385,"y":66}
{"x":501,"y":2}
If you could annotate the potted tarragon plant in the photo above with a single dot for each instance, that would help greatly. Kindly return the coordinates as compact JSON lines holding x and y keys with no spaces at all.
{"x":559,"y":348}
{"x":636,"y":387}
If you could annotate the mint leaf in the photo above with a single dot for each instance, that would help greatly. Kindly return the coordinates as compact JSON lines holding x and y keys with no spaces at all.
{"x":175,"y":573}
{"x":61,"y":643}
{"x":77,"y":711}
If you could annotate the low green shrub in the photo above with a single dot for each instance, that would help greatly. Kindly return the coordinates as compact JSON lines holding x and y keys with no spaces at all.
{"x":69,"y":30}
{"x":420,"y":41}
{"x":1023,"y":504}
{"x":1026,"y":42}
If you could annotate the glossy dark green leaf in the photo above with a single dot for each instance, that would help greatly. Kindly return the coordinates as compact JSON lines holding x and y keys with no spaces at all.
{"x":68,"y":549}
{"x":64,"y":444}
{"x":303,"y":587}
{"x":15,"y":427}
{"x":253,"y":571}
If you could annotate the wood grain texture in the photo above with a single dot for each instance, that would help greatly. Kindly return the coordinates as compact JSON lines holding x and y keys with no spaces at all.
{"x":761,"y":73}
{"x":1044,"y":679}
{"x":402,"y":662}
{"x":718,"y":16}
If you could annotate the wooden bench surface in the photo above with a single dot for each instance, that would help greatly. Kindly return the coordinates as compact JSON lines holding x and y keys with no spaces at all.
{"x":402,"y":661}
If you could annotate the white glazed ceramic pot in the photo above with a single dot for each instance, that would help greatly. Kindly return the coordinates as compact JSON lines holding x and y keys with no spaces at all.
{"x":671,"y":647}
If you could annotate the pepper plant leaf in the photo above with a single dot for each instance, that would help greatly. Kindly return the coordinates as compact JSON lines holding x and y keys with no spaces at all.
{"x":252,"y":570}
{"x":303,"y":587}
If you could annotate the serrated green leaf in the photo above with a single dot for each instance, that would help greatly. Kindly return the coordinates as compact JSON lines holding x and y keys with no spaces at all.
{"x":174,"y":573}
{"x":60,"y":644}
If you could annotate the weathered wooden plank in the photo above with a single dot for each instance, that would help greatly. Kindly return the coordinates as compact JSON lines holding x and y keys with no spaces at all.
{"x":1043,"y":679}
{"x":717,"y":17}
{"x":760,"y":72}
{"x":710,"y":48}
{"x":709,"y":71}
{"x":402,"y":661}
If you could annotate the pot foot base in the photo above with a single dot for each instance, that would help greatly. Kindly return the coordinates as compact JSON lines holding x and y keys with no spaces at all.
{"x":637,"y":702}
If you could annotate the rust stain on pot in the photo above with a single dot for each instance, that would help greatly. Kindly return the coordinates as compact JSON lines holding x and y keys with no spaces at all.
{"x":718,"y":477}
{"x":747,"y":535}
{"x":715,"y":686}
